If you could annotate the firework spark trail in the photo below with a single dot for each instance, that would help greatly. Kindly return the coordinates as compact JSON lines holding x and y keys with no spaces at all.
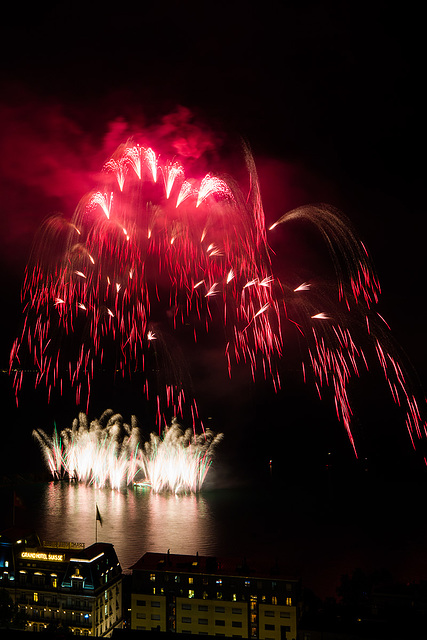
{"x":107,"y":453}
{"x":92,"y":283}
{"x":178,"y":461}
{"x":335,"y":353}
{"x":89,"y":278}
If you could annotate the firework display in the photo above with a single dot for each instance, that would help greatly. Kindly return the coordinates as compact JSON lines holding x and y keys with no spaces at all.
{"x":107,"y":452}
{"x":93,"y":282}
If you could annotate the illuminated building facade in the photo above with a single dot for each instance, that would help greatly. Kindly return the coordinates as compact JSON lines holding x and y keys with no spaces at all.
{"x":62,"y":583}
{"x":207,"y":596}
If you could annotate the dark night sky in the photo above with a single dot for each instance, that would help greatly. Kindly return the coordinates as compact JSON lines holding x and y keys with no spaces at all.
{"x":327,"y":94}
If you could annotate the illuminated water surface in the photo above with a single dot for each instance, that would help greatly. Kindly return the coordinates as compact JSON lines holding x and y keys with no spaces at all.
{"x":310,"y":538}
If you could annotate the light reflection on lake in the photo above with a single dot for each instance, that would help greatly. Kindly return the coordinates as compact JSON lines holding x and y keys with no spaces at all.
{"x":134,"y":520}
{"x":309,"y":534}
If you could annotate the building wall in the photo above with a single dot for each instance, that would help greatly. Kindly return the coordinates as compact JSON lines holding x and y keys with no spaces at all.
{"x":148,"y":612}
{"x":188,"y":599}
{"x":276,"y":620}
{"x":43,"y":607}
{"x":108,"y":609}
{"x":212,"y":617}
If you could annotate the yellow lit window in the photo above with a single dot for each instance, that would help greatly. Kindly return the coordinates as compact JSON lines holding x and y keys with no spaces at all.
{"x":289,"y":601}
{"x":190,"y":580}
{"x":191,"y":593}
{"x":152,"y":576}
{"x":274,"y":600}
{"x":36,"y":597}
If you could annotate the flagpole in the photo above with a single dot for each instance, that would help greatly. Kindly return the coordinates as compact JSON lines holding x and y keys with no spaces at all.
{"x":96,"y":514}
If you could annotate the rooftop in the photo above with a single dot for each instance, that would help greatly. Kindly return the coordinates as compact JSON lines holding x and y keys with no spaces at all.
{"x":179,"y":563}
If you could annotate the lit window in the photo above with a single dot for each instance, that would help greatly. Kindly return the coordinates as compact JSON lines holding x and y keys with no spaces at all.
{"x":152,"y":576}
{"x":6,"y":563}
{"x":274,"y":600}
{"x":191,"y":593}
{"x":289,"y":601}
{"x":36,"y":597}
{"x":190,"y":580}
{"x":234,"y":597}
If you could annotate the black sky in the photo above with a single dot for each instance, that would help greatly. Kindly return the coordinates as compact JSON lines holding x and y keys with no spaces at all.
{"x":329,"y":96}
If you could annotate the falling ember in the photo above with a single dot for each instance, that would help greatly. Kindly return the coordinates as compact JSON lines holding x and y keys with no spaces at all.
{"x":211,"y":185}
{"x":303,"y":287}
{"x":208,"y":250}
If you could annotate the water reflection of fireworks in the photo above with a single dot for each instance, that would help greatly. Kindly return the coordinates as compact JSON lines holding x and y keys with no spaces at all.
{"x":107,"y":453}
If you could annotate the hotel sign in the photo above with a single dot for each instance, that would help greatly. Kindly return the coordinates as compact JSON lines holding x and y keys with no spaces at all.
{"x":49,"y":557}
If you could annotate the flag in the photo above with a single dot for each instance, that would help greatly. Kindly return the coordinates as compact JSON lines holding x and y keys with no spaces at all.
{"x":98,"y":516}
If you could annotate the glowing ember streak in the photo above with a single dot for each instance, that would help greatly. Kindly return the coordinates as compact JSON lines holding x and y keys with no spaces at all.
{"x":185,"y":192}
{"x":212,"y":290}
{"x":103,"y":200}
{"x":321,"y":316}
{"x":152,"y":162}
{"x":171,"y":172}
{"x":211,"y":185}
{"x":303,"y":287}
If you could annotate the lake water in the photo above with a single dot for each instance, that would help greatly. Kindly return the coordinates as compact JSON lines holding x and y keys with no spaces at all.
{"x":313,"y":535}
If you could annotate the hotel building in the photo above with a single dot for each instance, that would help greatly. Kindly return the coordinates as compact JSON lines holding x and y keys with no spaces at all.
{"x":208,"y":596}
{"x":62,"y":583}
